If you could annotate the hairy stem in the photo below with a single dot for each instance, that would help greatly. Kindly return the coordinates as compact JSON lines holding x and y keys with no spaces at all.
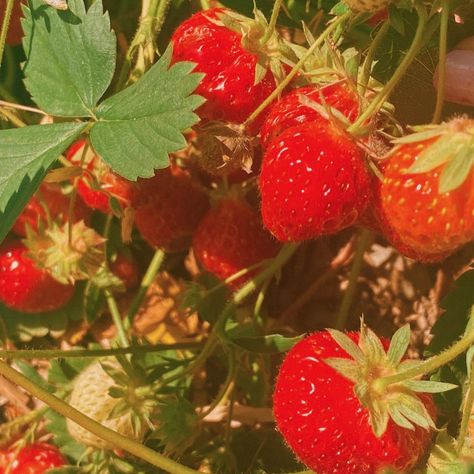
{"x":467,"y":410}
{"x":333,"y":26}
{"x":380,"y":98}
{"x":433,"y":363}
{"x":148,"y":278}
{"x":117,"y":318}
{"x":365,"y":238}
{"x":118,"y":441}
{"x":443,"y":44}
{"x":5,"y":25}
{"x":369,"y":59}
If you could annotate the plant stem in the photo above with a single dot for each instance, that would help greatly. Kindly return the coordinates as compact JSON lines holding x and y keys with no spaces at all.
{"x":443,"y":44}
{"x":273,"y":21}
{"x":80,"y":353}
{"x":380,"y":98}
{"x":365,"y":238}
{"x":369,"y":59}
{"x":118,"y":441}
{"x":432,"y":363}
{"x":297,"y":67}
{"x":148,"y":278}
{"x":466,"y":413}
{"x":5,"y":26}
{"x":12,"y":118}
{"x":226,"y":386}
{"x":117,"y":318}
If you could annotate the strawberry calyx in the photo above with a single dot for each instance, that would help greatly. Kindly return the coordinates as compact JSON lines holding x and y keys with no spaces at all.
{"x":370,"y":362}
{"x":271,"y":50}
{"x":67,"y":253}
{"x":452,"y":148}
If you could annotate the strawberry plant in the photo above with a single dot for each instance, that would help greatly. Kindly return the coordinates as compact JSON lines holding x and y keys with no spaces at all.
{"x":236,"y":236}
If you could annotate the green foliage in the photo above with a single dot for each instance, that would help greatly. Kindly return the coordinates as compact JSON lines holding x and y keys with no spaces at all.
{"x":71,"y":57}
{"x":26,"y":154}
{"x":270,"y":344}
{"x":140,"y":125}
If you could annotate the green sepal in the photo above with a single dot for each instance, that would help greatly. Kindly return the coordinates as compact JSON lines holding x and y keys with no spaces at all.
{"x":399,"y":344}
{"x":347,"y":344}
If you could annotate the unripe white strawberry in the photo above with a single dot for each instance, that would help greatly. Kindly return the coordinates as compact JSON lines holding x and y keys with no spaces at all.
{"x":367,"y":5}
{"x":90,"y":396}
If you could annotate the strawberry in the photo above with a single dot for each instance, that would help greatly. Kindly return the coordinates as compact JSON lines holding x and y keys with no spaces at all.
{"x":291,"y":111}
{"x":313,"y":182}
{"x":168,"y":208}
{"x":90,"y":395}
{"x":231,"y":238}
{"x":24,"y":286}
{"x":322,"y":419}
{"x":99,"y":183}
{"x":426,"y":198}
{"x":125,"y":267}
{"x":15,"y":32}
{"x":49,"y":203}
{"x":229,"y":60}
{"x":37,"y":458}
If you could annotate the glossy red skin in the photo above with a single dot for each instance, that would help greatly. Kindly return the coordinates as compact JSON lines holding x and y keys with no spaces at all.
{"x":15,"y":32}
{"x":112,"y":185}
{"x":57,"y":203}
{"x":168,"y":209}
{"x":26,"y":288}
{"x":35,"y":458}
{"x":325,"y":425}
{"x":230,"y":238}
{"x":125,"y":267}
{"x":313,"y":182}
{"x":289,"y":111}
{"x":412,"y":211}
{"x":229,"y":69}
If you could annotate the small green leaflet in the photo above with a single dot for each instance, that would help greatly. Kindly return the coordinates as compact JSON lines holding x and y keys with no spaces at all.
{"x":25,"y":156}
{"x":141,"y":125}
{"x":457,"y":170}
{"x":272,"y":343}
{"x":71,"y":57}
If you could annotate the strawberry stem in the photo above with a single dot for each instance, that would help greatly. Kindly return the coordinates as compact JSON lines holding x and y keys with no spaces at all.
{"x":116,"y":318}
{"x":369,"y":59}
{"x":273,"y":21}
{"x":282,"y":85}
{"x":381,"y":97}
{"x":148,"y":278}
{"x":433,"y":363}
{"x":114,"y":438}
{"x":364,"y":241}
{"x":5,"y":25}
{"x":443,"y":44}
{"x":466,"y":412}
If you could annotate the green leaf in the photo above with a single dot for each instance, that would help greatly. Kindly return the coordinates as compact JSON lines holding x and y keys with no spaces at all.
{"x":141,"y":125}
{"x":429,"y":386}
{"x":396,"y":19}
{"x":399,"y":344}
{"x":347,"y":344}
{"x":457,"y":170}
{"x":433,"y":156}
{"x":70,"y":57}
{"x":273,"y":343}
{"x":444,"y":458}
{"x":29,"y":371}
{"x":346,"y":367}
{"x":25,"y":156}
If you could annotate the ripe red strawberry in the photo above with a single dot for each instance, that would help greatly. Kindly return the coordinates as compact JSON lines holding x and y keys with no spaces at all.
{"x":326,"y":425}
{"x":125,"y":267}
{"x":230,"y":238}
{"x":99,"y":183}
{"x":15,"y":32}
{"x":229,"y":83}
{"x":49,"y":200}
{"x":36,"y":458}
{"x":426,"y":198}
{"x":313,"y":181}
{"x":26,"y":288}
{"x":168,"y":208}
{"x":290,"y":111}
